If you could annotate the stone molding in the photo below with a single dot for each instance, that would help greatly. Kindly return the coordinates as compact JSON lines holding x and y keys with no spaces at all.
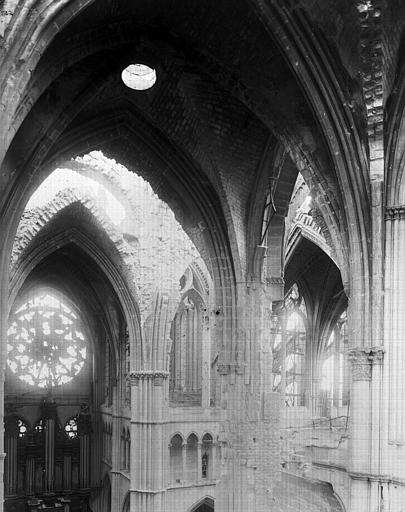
{"x":362,"y":360}
{"x":394,"y":213}
{"x":371,"y":477}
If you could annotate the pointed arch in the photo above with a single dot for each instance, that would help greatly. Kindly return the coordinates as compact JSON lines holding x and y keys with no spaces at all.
{"x":205,"y":504}
{"x":30,"y":226}
{"x":113,"y":269}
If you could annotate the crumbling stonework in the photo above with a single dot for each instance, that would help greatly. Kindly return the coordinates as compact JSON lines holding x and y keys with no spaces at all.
{"x":150,"y":241}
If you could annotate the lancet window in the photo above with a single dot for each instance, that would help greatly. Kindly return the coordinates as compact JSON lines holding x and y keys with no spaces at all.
{"x":186,"y":354}
{"x":289,"y":346}
{"x":335,"y":377}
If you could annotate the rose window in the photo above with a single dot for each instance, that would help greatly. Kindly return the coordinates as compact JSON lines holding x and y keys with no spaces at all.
{"x":46,"y":346}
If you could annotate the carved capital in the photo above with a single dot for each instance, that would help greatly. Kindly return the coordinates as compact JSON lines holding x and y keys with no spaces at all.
{"x":275,"y":286}
{"x":158,"y":376}
{"x":158,"y":380}
{"x":362,"y":359}
{"x":394,"y":213}
{"x":133,"y":379}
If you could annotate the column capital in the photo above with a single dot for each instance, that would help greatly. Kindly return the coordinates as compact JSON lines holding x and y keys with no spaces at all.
{"x":362,"y":360}
{"x":275,"y":286}
{"x":395,"y":212}
{"x":158,"y":376}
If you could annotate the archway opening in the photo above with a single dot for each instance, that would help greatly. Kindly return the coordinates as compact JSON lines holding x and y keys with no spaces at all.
{"x":205,"y":505}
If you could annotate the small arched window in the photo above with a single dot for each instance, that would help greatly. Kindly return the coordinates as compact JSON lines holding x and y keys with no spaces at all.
{"x":176,"y":458}
{"x":192,"y":462}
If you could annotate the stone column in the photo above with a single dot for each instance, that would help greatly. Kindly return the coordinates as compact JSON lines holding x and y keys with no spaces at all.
{"x":250,"y":435}
{"x":149,"y":393}
{"x":199,"y":465}
{"x":392,"y":428}
{"x":67,"y":466}
{"x":206,"y":362}
{"x":3,"y":359}
{"x":30,"y":454}
{"x":283,"y":383}
{"x":365,"y":363}
{"x":84,"y":432}
{"x":184,"y":461}
{"x":394,"y":323}
{"x":115,"y":449}
{"x":11,"y":439}
{"x":49,"y":414}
